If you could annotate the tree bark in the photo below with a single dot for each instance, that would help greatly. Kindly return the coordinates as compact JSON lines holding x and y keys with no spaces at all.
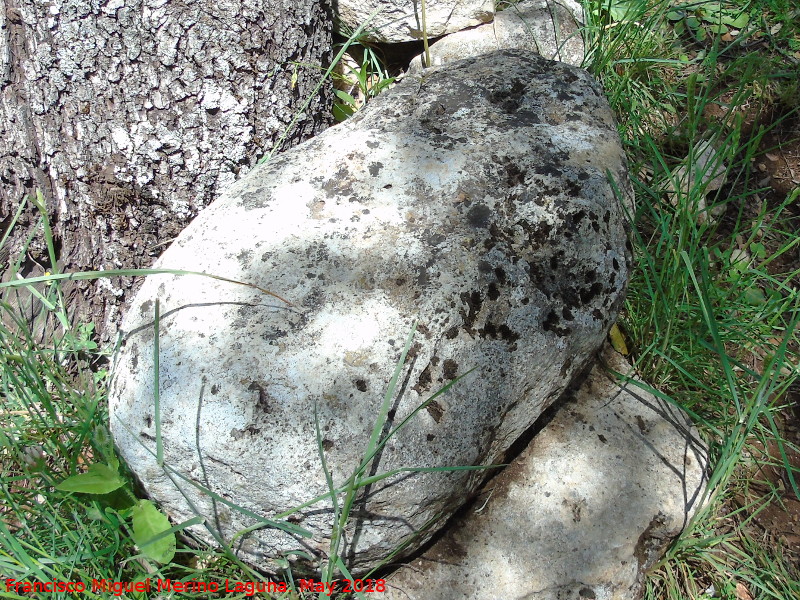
{"x":132,"y":115}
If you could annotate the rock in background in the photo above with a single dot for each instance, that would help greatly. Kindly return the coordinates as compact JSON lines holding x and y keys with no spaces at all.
{"x":401,"y":20}
{"x":473,"y":199}
{"x":587,"y":507}
{"x":550,"y":28}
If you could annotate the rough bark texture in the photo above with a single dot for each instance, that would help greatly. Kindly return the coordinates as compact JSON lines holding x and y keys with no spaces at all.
{"x":131,"y":115}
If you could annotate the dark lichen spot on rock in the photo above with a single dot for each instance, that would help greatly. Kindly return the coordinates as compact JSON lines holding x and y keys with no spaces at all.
{"x":590,"y":293}
{"x":375,"y":168}
{"x":549,"y":169}
{"x":497,"y":236}
{"x":244,"y":257}
{"x":473,"y":302}
{"x":450,"y":369}
{"x":587,"y":592}
{"x":361,"y":385}
{"x":327,"y":445}
{"x":146,"y":308}
{"x":493,"y":293}
{"x":551,"y":323}
{"x":425,"y":379}
{"x":423,"y":279}
{"x":514,"y":175}
{"x":478,"y":216}
{"x":214,"y":389}
{"x":567,"y":314}
{"x":508,"y":98}
{"x":430,"y":437}
{"x":500,"y":274}
{"x":509,"y":335}
{"x":484,"y":267}
{"x":500,"y":332}
{"x":435,"y":410}
{"x":572,"y":189}
{"x":262,"y":404}
{"x":434,"y":239}
{"x":537,"y":232}
{"x":451,"y":333}
{"x":315,"y":298}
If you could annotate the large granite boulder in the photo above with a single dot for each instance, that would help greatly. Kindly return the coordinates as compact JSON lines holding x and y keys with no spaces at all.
{"x":474,"y":200}
{"x":548,"y":27}
{"x":401,"y":20}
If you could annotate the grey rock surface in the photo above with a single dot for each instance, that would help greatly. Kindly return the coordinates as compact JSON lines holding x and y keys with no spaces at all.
{"x":401,"y":20}
{"x":587,"y":507}
{"x":550,"y":28}
{"x":473,"y":200}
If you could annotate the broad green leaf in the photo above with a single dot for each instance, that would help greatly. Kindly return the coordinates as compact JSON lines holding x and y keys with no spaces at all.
{"x":736,"y":22}
{"x":754,"y":296}
{"x":99,"y":479}
{"x":148,"y":523}
{"x":342,"y":112}
{"x":758,"y":249}
{"x":347,"y":98}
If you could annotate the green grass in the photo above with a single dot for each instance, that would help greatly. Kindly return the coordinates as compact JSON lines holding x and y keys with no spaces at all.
{"x":711,"y":319}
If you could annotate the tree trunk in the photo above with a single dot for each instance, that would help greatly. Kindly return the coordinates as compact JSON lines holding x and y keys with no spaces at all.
{"x":131,"y":115}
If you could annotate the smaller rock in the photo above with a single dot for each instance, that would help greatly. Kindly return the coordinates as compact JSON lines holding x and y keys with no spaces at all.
{"x":401,"y":20}
{"x":551,"y":28}
{"x":582,"y":513}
